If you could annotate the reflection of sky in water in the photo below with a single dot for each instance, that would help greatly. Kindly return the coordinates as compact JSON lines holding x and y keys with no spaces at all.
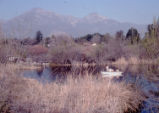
{"x":149,"y":89}
{"x":43,"y":76}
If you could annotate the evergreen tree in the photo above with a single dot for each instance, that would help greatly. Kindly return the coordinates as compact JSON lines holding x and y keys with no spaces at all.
{"x":133,"y":35}
{"x":39,"y":37}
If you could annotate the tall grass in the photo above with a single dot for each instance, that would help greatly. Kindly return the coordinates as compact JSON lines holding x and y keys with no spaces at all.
{"x":81,"y":95}
{"x":134,"y":61}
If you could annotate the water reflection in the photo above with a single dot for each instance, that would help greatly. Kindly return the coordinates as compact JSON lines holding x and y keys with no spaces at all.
{"x":143,"y":77}
{"x":39,"y":72}
{"x":42,"y":75}
{"x":151,"y":72}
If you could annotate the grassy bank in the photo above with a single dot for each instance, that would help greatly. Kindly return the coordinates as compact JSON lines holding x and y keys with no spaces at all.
{"x":81,"y":95}
{"x":134,"y":61}
{"x":19,"y":66}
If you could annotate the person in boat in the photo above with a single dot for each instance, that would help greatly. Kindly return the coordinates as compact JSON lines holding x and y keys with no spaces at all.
{"x":109,"y":69}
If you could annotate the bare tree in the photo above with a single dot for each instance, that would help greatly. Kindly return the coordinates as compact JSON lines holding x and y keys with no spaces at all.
{"x":96,"y":38}
{"x":119,"y":35}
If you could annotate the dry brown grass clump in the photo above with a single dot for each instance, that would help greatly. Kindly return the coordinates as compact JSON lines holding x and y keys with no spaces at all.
{"x":133,"y":61}
{"x":80,"y":95}
{"x":120,"y":61}
{"x":130,"y":61}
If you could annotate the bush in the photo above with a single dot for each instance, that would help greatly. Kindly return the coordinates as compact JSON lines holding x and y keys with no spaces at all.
{"x":151,"y":47}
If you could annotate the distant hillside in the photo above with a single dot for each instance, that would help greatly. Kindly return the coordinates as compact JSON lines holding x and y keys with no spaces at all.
{"x":49,"y":23}
{"x":1,"y":21}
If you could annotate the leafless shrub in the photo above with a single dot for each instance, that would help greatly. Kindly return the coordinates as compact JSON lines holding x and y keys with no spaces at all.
{"x":110,"y":51}
{"x":64,"y":48}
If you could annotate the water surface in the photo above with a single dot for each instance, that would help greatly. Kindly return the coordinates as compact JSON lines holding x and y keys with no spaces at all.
{"x":143,"y":77}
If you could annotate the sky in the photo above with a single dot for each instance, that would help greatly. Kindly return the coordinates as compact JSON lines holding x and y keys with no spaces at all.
{"x":134,"y":11}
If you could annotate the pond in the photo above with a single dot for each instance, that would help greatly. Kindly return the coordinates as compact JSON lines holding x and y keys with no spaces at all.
{"x":144,"y":77}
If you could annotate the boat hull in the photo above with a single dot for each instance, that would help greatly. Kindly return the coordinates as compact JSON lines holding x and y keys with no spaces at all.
{"x":111,"y":74}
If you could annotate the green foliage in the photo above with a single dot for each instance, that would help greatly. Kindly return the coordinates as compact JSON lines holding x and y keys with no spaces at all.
{"x":151,"y":46}
{"x":153,"y":29}
{"x":151,"y":41}
{"x":96,"y":38}
{"x":84,"y":38}
{"x":39,"y":37}
{"x":133,"y":36}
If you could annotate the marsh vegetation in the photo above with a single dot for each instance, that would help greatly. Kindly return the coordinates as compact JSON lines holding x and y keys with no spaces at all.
{"x":79,"y":61}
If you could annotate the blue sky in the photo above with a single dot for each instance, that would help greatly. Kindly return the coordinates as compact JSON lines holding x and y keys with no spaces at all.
{"x":135,"y":11}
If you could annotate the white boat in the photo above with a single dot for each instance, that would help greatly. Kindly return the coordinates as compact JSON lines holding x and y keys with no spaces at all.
{"x":111,"y":74}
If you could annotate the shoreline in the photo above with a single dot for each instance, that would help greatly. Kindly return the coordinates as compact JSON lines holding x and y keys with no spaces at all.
{"x":120,"y":61}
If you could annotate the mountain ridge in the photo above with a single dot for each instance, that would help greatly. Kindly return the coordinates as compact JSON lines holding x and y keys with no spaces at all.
{"x":48,"y":22}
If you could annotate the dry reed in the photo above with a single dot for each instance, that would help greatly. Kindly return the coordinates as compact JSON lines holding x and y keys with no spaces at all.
{"x":133,"y":61}
{"x":81,"y":95}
